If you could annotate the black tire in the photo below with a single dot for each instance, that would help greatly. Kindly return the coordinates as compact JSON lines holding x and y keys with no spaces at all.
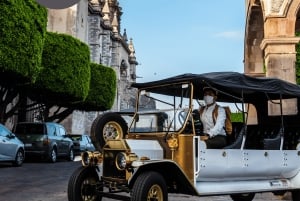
{"x":107,"y":126}
{"x":19,"y":159}
{"x":279,"y":193}
{"x":71,"y":155}
{"x":295,"y":195}
{"x":81,"y":186}
{"x":243,"y":197}
{"x":149,"y":186}
{"x":52,"y":155}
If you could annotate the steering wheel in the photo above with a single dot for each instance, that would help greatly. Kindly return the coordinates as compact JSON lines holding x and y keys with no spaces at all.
{"x":182,"y":116}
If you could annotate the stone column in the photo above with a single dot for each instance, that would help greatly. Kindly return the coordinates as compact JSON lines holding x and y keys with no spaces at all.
{"x":280,"y":57}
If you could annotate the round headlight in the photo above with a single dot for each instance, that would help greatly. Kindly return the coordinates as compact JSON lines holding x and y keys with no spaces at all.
{"x":121,"y":161}
{"x":85,"y":159}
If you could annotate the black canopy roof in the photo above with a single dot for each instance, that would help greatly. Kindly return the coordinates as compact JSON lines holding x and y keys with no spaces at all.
{"x":229,"y":85}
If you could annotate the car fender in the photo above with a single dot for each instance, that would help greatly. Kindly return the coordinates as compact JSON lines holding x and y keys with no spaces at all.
{"x":171,"y":172}
{"x":53,"y":145}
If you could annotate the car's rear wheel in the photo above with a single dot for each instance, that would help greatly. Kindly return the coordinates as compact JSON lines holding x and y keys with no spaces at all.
{"x":296,"y":195}
{"x":53,"y":155}
{"x":83,"y":185}
{"x":107,"y":126}
{"x":19,"y":159}
{"x":149,"y":186}
{"x":243,"y":197}
{"x":71,"y":154}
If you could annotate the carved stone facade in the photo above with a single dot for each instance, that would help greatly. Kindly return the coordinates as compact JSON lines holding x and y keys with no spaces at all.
{"x":97,"y":23}
{"x":270,"y":41}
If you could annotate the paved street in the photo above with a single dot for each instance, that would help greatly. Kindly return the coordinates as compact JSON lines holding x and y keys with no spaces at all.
{"x":40,"y":181}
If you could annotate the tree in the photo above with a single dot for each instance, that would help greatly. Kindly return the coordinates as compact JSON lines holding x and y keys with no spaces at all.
{"x":50,"y":69}
{"x":102,"y":91}
{"x":101,"y":94}
{"x":22,"y":30}
{"x":65,"y":77}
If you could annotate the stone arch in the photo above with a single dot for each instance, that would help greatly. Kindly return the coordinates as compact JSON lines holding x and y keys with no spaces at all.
{"x":254,"y":34}
{"x":270,"y":42}
{"x":270,"y":38}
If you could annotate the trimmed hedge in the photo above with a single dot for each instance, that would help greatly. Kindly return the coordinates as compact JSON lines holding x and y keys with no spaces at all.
{"x":66,"y":74}
{"x":237,"y":117}
{"x":103,"y":89}
{"x":22,"y":30}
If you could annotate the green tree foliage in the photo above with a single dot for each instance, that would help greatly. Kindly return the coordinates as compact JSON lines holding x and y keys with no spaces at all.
{"x":22,"y":29}
{"x":102,"y":91}
{"x":66,"y":70}
{"x":51,"y":69}
{"x":101,"y":95}
{"x":237,"y":117}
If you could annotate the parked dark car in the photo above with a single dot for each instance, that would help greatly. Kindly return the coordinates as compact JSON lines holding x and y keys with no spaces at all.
{"x":81,"y":143}
{"x":46,"y":139}
{"x":11,"y":148}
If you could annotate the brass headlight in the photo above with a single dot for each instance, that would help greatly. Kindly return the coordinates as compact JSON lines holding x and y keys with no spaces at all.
{"x":85,"y":158}
{"x":123,"y":160}
{"x":120,"y":161}
{"x":91,"y":158}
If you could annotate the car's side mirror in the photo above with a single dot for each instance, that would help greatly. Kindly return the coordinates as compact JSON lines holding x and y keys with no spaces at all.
{"x":11,"y":136}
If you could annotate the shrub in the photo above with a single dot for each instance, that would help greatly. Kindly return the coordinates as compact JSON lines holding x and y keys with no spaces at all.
{"x":22,"y":30}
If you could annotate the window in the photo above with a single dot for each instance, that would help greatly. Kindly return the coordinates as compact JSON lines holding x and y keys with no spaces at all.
{"x":3,"y":131}
{"x":51,"y":130}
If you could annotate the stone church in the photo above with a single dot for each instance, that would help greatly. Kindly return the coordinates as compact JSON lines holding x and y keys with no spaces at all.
{"x":98,"y":24}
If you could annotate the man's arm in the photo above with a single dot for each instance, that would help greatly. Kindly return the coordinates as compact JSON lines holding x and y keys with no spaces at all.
{"x":220,"y":123}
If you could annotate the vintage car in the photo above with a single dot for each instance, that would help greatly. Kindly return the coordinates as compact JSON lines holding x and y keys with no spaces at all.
{"x":262,"y":155}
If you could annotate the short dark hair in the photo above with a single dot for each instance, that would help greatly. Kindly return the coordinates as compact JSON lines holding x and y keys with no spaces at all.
{"x":210,"y":89}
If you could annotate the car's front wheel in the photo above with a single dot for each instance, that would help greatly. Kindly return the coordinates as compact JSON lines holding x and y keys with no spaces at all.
{"x":243,"y":197}
{"x":19,"y":159}
{"x":83,"y":185}
{"x":149,"y":186}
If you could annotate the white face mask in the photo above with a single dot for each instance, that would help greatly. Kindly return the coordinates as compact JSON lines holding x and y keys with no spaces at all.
{"x":208,"y":99}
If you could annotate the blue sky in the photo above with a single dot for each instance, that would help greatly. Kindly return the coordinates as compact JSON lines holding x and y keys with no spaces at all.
{"x":172,"y":37}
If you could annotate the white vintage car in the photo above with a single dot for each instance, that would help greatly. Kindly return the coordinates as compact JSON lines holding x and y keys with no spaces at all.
{"x":262,"y":155}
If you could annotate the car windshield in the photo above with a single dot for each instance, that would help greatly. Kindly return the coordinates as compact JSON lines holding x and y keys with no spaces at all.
{"x":162,"y":112}
{"x":75,"y":137}
{"x":35,"y":129}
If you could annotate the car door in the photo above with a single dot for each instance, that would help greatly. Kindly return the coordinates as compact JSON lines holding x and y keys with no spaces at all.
{"x":89,"y":145}
{"x":82,"y":143}
{"x":7,"y":147}
{"x":64,"y":142}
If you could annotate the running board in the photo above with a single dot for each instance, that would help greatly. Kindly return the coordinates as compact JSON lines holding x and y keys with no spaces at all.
{"x":231,"y":187}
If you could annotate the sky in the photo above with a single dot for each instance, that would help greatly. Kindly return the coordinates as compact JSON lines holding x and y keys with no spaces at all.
{"x":173,"y":37}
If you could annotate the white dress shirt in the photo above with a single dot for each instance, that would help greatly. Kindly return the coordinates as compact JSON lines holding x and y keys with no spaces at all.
{"x":208,"y":123}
